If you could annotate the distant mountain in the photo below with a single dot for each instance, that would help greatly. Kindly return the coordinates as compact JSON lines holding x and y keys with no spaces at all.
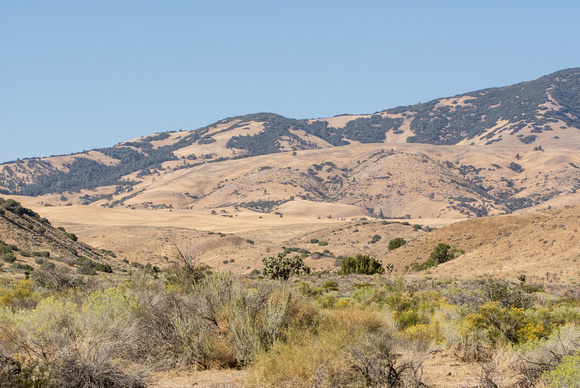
{"x":539,"y":115}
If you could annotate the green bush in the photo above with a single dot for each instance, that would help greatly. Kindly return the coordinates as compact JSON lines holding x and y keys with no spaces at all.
{"x":499,"y":291}
{"x":72,"y":236}
{"x":22,"y":267}
{"x":361,"y":264}
{"x":441,"y":254}
{"x":323,"y":243}
{"x":103,"y":268}
{"x":314,"y":241}
{"x":282,"y":267}
{"x":396,"y":243}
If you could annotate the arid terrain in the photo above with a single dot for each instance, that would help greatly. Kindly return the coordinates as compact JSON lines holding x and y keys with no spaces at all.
{"x":184,"y":239}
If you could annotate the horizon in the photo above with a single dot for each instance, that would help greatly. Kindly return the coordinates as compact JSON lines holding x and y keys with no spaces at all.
{"x":87,"y":76}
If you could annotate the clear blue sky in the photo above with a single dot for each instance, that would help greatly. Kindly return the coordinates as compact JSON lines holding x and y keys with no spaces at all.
{"x":77,"y":75}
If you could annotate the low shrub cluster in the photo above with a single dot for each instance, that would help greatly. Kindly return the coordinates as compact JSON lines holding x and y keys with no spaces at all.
{"x":60,"y":328}
{"x":361,"y":264}
{"x":396,"y":243}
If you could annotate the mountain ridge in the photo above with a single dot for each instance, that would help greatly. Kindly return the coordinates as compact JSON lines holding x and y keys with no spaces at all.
{"x":539,"y":115}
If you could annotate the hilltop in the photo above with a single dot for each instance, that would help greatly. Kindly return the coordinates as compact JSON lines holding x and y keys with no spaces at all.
{"x":489,"y":151}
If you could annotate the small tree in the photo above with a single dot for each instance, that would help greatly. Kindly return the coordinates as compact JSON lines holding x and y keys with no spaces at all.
{"x":282,"y":267}
{"x":441,"y":253}
{"x":396,"y":243}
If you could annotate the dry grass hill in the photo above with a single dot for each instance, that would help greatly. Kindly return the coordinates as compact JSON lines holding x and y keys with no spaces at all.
{"x":485,"y":152}
{"x":540,"y":244}
{"x":28,"y":240}
{"x":245,"y":187}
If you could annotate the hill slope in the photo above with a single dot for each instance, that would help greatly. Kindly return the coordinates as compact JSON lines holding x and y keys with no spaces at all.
{"x":533,"y":243}
{"x":31,"y":235}
{"x":505,"y":123}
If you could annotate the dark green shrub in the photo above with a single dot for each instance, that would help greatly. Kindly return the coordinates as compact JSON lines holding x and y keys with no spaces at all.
{"x":72,"y":236}
{"x":314,"y":241}
{"x":361,"y":264}
{"x":323,"y":243}
{"x":282,"y":267}
{"x":396,"y":243}
{"x":441,"y":254}
{"x":22,"y":267}
{"x":103,"y":268}
{"x":500,"y":291}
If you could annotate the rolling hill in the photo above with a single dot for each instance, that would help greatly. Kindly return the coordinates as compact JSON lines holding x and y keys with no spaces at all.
{"x":489,"y":151}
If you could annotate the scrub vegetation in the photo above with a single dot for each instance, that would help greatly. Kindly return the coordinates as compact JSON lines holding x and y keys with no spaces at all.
{"x":317,"y":329}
